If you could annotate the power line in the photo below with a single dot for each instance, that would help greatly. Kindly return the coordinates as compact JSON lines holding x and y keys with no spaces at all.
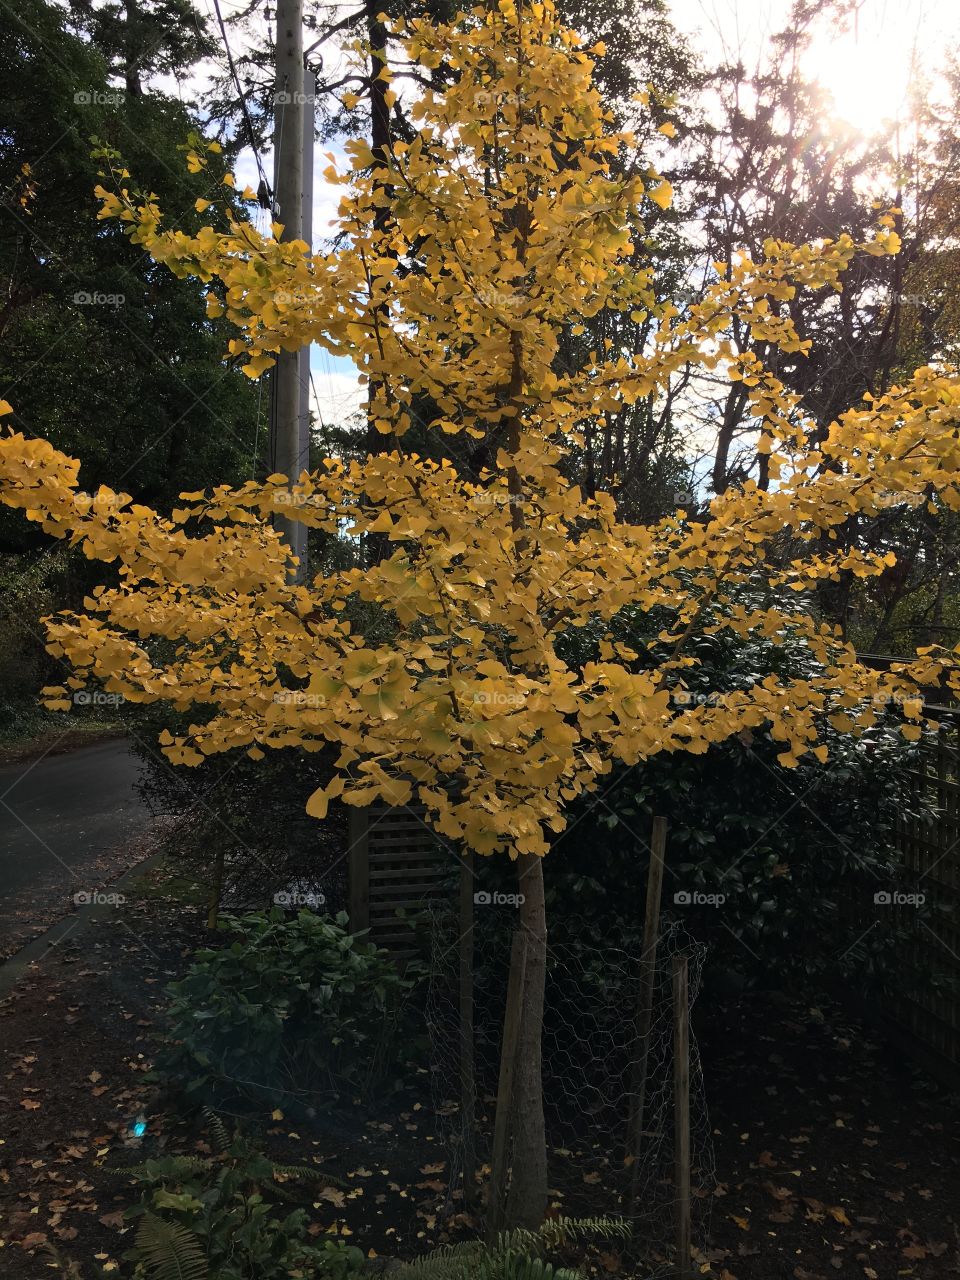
{"x":251,"y":136}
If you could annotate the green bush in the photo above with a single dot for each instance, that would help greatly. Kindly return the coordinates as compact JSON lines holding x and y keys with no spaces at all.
{"x":794,"y":855}
{"x":288,"y":1009}
{"x":219,"y":1218}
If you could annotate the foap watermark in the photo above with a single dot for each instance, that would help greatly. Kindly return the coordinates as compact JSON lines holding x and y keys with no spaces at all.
{"x":686,"y":698}
{"x":684,"y":497}
{"x":299,"y":898}
{"x":907,"y":299}
{"x":298,"y":98}
{"x":83,"y":299}
{"x":99,"y":97}
{"x":489,"y":498}
{"x":495,"y":698}
{"x":484,"y":898}
{"x":298,"y":698}
{"x":97,"y":698}
{"x":896,"y":898}
{"x":899,"y":700}
{"x":103,"y":500}
{"x":496,"y":98}
{"x":694,"y":898}
{"x":290,"y":498}
{"x":96,"y":898}
{"x":499,"y":298}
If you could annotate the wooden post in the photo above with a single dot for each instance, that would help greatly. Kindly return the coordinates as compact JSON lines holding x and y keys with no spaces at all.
{"x":496,"y":1199}
{"x":681,"y":1111}
{"x":648,"y":971}
{"x":359,"y":869}
{"x":216,"y":889}
{"x":468,"y":1117}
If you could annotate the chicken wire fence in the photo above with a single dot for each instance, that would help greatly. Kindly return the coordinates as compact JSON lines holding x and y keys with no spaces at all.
{"x":591,"y":1051}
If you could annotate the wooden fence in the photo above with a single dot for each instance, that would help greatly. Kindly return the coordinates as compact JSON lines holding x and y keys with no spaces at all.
{"x":395,"y":863}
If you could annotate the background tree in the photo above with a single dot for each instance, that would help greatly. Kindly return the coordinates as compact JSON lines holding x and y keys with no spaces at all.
{"x":111,"y":358}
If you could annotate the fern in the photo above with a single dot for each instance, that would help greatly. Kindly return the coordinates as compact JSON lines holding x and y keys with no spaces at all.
{"x":170,"y":1250}
{"x":218,"y":1130}
{"x":513,"y":1255}
{"x":167,"y":1168}
{"x":554,"y":1233}
{"x":305,"y":1173}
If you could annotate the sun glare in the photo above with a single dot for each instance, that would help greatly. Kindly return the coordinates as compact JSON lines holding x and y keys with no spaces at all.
{"x":868,"y":76}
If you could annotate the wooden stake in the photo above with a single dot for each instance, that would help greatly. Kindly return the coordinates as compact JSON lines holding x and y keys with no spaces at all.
{"x":468,"y":1117}
{"x":648,"y":970}
{"x":358,"y":836}
{"x":681,"y":1111}
{"x":496,"y":1200}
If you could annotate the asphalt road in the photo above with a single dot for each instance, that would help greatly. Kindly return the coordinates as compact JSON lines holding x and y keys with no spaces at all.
{"x":61,"y":819}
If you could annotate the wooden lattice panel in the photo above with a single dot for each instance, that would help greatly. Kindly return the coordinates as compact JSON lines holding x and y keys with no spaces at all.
{"x":396,"y":863}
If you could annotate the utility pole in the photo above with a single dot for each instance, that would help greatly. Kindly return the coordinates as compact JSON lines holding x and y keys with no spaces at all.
{"x":306,"y":233}
{"x":288,"y":203}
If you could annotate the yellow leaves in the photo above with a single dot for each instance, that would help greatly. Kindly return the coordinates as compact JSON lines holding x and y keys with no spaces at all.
{"x":468,"y":704}
{"x":201,"y":206}
{"x":5,"y":408}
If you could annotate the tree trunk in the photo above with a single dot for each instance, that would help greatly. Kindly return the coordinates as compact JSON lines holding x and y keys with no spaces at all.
{"x":527,"y":1197}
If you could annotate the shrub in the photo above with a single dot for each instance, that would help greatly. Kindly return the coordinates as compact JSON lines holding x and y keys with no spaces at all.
{"x":218,"y":1217}
{"x":796,"y":854}
{"x":289,"y":1008}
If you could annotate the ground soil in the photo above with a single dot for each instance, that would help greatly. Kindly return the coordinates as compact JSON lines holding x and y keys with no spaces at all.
{"x":834,"y":1158}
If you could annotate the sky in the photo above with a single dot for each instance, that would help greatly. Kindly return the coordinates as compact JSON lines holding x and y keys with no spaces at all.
{"x":865,"y":68}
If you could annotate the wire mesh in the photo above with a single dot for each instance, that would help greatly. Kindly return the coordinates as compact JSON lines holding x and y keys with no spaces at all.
{"x":590,"y":1048}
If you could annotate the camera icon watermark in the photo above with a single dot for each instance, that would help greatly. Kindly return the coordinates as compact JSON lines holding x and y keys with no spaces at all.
{"x":684,"y":497}
{"x":484,"y":898}
{"x":694,"y":898}
{"x":894,"y":898}
{"x":95,"y":898}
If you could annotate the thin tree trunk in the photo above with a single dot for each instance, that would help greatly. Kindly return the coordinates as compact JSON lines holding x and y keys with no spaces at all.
{"x":527,"y":1198}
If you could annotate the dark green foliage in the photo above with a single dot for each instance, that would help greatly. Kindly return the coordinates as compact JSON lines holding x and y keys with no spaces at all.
{"x":218,"y":1217}
{"x":796,"y":853}
{"x":103,"y":353}
{"x":287,"y":1009}
{"x":514,"y":1255}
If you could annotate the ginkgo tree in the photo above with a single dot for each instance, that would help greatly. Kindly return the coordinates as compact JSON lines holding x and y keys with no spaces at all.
{"x":459,"y":265}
